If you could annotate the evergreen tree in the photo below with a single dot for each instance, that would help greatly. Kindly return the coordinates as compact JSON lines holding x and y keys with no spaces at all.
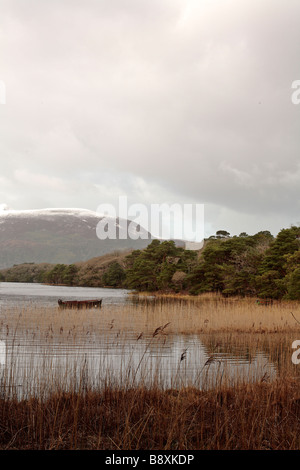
{"x":273,"y":269}
{"x":69,"y":275}
{"x":153,"y":268}
{"x":114,"y":276}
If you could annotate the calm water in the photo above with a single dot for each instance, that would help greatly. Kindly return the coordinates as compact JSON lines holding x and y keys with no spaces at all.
{"x":15,"y":293}
{"x":109,"y":356}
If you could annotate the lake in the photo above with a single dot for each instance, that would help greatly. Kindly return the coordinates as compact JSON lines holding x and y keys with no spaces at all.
{"x":15,"y":293}
{"x":43,"y":348}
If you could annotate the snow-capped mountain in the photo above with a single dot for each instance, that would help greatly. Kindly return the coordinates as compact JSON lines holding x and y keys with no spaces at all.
{"x":59,"y":236}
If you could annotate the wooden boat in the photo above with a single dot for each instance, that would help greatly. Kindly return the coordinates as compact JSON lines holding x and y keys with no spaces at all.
{"x":95,"y":303}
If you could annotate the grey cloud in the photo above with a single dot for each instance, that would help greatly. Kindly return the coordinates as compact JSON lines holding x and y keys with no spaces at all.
{"x":192,"y":98}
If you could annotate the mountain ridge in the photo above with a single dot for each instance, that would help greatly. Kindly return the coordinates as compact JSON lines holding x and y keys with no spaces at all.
{"x":59,"y":235}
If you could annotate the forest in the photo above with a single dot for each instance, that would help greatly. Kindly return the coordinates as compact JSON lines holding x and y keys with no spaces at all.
{"x":246,"y":265}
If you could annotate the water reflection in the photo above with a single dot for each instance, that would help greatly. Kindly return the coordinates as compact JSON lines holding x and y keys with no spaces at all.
{"x":16,"y":293}
{"x":170,"y":362}
{"x":32,"y":362}
{"x":2,"y":353}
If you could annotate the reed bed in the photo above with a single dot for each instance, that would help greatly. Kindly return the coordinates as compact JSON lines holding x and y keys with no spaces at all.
{"x":254,"y":416}
{"x":185,"y":315}
{"x":93,"y":379}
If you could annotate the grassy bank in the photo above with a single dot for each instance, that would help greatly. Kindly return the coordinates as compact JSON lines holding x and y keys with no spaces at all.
{"x":259,"y":416}
{"x":185,"y":314}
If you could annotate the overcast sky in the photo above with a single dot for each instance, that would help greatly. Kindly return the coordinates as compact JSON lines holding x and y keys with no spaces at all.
{"x":165,"y":101}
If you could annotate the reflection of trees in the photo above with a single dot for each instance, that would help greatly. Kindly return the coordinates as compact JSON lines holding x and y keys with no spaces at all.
{"x":275,"y":346}
{"x":2,"y":353}
{"x":222,"y":343}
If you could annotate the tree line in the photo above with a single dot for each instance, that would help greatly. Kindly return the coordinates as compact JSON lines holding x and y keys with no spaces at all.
{"x":245,"y":265}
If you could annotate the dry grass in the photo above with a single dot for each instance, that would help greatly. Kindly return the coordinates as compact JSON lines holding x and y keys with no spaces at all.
{"x":260,"y":416}
{"x":212,"y":313}
{"x":202,"y":314}
{"x":74,"y":410}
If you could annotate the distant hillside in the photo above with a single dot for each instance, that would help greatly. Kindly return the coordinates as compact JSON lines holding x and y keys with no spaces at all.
{"x":85,"y":273}
{"x":57,"y":236}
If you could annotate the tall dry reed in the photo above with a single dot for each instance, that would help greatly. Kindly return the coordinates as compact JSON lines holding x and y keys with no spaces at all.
{"x":77,"y":403}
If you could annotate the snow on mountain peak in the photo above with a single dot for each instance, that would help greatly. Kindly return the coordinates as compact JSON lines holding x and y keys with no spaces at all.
{"x":6,"y":211}
{"x":4,"y":207}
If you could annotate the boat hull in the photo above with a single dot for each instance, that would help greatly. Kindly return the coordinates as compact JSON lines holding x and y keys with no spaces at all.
{"x":80,"y":304}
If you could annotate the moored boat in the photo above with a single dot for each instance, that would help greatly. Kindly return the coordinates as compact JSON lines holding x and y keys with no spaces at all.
{"x":94,"y":303}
